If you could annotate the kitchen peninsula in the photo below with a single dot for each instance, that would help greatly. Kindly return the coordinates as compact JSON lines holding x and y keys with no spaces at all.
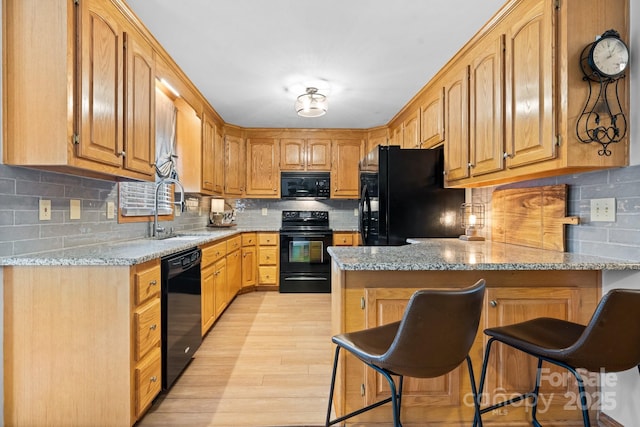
{"x":371,"y":285}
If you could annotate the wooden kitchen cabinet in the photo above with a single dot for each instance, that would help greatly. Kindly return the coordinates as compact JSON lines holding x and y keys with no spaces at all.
{"x":234,"y":165}
{"x":345,"y":180}
{"x":212,"y":157}
{"x":300,"y":154}
{"x":234,"y":267}
{"x":212,"y":285}
{"x":81,"y":128}
{"x":432,"y":117}
{"x":346,"y":238}
{"x":249,"y":260}
{"x":523,"y":114}
{"x":95,"y":335}
{"x":268,"y":260}
{"x":456,"y":145}
{"x":263,"y":173}
{"x":411,"y":130}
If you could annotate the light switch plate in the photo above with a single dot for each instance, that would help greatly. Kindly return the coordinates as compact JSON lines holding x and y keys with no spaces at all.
{"x":45,"y":210}
{"x":603,"y":210}
{"x":355,"y":212}
{"x":74,"y":209}
{"x":111,"y":210}
{"x":264,"y":211}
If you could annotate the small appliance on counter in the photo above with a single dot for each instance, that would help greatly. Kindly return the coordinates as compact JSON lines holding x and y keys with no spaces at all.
{"x":304,"y":260}
{"x":218,"y":217}
{"x":402,"y":195}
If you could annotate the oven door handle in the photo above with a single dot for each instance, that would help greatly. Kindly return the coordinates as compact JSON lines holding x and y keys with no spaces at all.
{"x":304,"y":279}
{"x":321,"y":234}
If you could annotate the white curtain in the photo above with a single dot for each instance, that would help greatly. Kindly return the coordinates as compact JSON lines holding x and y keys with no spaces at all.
{"x":165,"y":136}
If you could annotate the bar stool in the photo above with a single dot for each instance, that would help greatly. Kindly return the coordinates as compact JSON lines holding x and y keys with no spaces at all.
{"x":434,"y":336}
{"x":610,"y":342}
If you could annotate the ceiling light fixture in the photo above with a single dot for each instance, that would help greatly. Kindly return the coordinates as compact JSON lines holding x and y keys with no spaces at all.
{"x":312,"y":104}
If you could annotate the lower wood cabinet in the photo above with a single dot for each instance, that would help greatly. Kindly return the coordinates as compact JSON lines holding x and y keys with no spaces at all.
{"x":346,"y":238}
{"x":268,"y":260}
{"x":249,"y":260}
{"x":81,"y":344}
{"x":365,"y":299}
{"x":213,"y":282}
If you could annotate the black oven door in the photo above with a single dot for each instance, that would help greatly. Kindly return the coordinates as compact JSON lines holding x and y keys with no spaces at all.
{"x":304,"y":261}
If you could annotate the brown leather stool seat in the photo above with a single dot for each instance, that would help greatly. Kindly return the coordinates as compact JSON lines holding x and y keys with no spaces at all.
{"x":610,"y":342}
{"x":433,"y":338}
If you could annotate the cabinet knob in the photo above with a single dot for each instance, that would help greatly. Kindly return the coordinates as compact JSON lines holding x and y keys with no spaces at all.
{"x":493,"y":303}
{"x":153,"y":283}
{"x":122,"y":154}
{"x":507,"y":155}
{"x":153,"y":327}
{"x":153,"y":379}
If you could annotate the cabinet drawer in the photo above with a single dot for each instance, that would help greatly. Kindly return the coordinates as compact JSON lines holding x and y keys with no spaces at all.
{"x":148,"y":381}
{"x":267,"y":275}
{"x":268,"y":256}
{"x":146,"y":328}
{"x":234,"y":243}
{"x":268,"y":239}
{"x":146,"y":283}
{"x":249,"y":239}
{"x":213,"y":252}
{"x":343,"y":239}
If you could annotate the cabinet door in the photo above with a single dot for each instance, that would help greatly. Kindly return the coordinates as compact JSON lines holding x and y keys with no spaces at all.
{"x":530,"y":79}
{"x":249,"y":266}
{"x":486,"y":106}
{"x":432,"y":118}
{"x":234,"y":166}
{"x":386,"y":306}
{"x":101,"y":83}
{"x":411,"y":131}
{"x":263,"y":177}
{"x":511,"y":371}
{"x":292,"y":154}
{"x":218,"y":162}
{"x":208,"y":152}
{"x":344,"y":169}
{"x":456,"y":101}
{"x":234,"y":274}
{"x":318,"y":154}
{"x":208,"y":298}
{"x":220,"y":287}
{"x":140,"y":141}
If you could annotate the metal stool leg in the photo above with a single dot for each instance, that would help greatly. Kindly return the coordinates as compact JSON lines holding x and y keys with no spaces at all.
{"x":476,"y":398}
{"x":536,"y":394}
{"x":333,"y":383}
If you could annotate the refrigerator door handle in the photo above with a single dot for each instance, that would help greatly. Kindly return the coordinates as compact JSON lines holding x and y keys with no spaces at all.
{"x":365,"y":215}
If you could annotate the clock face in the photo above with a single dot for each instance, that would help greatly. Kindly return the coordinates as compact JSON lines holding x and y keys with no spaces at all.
{"x":610,"y":56}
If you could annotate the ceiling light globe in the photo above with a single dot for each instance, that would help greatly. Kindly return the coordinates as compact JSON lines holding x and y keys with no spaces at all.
{"x":311,"y":104}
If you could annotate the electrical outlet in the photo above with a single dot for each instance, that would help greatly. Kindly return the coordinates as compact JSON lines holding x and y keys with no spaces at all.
{"x":45,"y":210}
{"x":603,"y":210}
{"x":111,"y":210}
{"x":74,"y":209}
{"x":264,"y":211}
{"x":355,"y":212}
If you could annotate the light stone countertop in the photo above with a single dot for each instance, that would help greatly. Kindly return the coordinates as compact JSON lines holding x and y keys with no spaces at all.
{"x":128,"y":252}
{"x":455,"y":254}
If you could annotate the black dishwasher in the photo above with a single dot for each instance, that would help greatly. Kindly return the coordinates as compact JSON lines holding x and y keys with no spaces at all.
{"x":181,"y":312}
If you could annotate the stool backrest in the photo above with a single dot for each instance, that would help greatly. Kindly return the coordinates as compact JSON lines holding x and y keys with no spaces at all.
{"x":611,"y":339}
{"x":436,"y":332}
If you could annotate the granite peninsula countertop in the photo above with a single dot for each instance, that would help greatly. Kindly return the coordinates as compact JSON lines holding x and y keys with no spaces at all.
{"x":455,"y":254}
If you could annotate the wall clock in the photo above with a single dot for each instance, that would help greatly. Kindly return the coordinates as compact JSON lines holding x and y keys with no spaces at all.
{"x":603,"y":63}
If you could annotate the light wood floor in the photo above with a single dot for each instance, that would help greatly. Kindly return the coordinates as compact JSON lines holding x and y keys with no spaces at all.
{"x":266,"y":362}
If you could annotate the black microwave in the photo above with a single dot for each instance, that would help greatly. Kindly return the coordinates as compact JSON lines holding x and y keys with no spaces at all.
{"x":305,"y":185}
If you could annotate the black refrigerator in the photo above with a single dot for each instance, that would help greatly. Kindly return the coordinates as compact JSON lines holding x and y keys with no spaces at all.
{"x":402,"y":195}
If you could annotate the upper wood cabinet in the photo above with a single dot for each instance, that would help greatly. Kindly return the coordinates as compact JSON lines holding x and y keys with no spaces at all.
{"x":345,"y":181}
{"x":305,"y":154}
{"x":263,"y":173}
{"x":411,"y":130}
{"x":234,"y":166}
{"x":81,"y":126}
{"x":218,"y":162}
{"x":432,"y":117}
{"x":456,"y":101}
{"x":189,"y":147}
{"x":208,"y":154}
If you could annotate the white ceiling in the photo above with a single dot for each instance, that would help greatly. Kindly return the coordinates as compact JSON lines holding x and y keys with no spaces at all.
{"x":252,"y":58}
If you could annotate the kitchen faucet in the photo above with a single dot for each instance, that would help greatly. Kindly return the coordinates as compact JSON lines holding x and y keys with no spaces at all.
{"x":156,"y":228}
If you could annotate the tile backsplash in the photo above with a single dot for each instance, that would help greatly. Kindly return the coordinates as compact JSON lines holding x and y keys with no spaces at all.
{"x":21,"y":231}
